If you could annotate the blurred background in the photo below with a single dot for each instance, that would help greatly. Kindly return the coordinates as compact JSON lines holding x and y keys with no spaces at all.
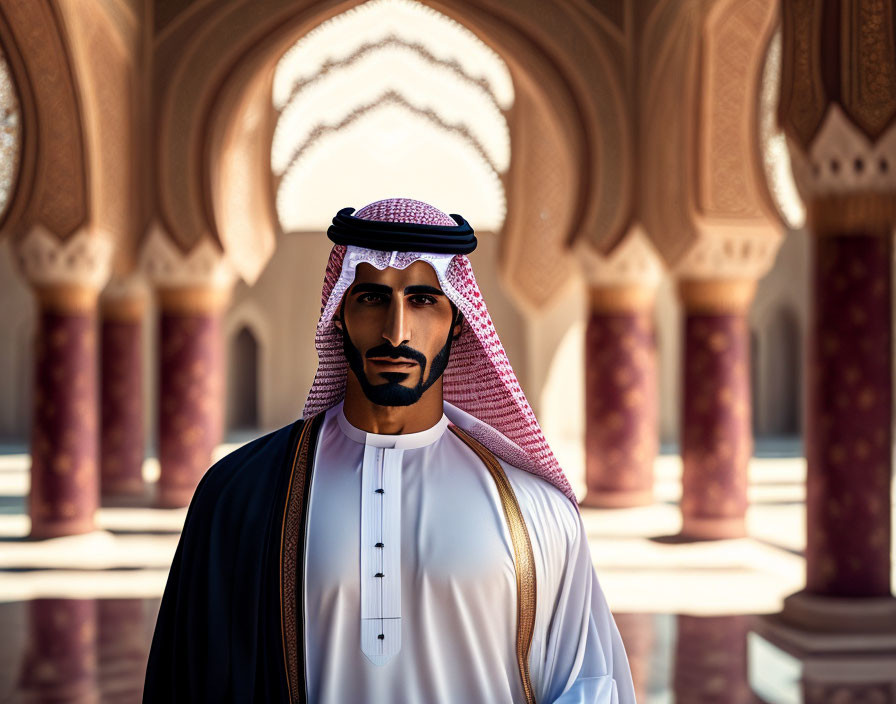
{"x":685,"y":212}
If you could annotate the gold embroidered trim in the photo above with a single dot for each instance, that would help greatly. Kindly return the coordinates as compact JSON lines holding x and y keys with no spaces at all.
{"x":289,"y":538}
{"x":524,"y":559}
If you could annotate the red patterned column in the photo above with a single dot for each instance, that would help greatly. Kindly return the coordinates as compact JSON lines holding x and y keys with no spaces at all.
{"x":620,"y":397}
{"x":64,"y":478}
{"x":711,"y":660}
{"x":122,"y":441}
{"x":716,"y":438}
{"x":849,"y":424}
{"x":190,"y":389}
{"x":60,"y":662}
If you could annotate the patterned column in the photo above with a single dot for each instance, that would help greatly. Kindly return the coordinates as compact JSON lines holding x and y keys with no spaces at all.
{"x":711,"y":660}
{"x":64,"y":483}
{"x":66,"y":277}
{"x":621,"y":435}
{"x":716,"y":437}
{"x":191,"y":399}
{"x":60,"y":661}
{"x":193,"y":290}
{"x":850,"y":437}
{"x":838,"y":110}
{"x":122,"y":442}
{"x":620,"y":398}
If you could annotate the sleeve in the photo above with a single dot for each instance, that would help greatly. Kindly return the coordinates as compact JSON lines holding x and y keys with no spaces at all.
{"x":585,"y":660}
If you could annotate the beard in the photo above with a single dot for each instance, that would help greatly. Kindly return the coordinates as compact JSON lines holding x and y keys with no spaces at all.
{"x":392,"y":393}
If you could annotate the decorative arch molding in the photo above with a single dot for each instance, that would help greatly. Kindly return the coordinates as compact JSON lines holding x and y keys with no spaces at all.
{"x":52,"y":188}
{"x":207,"y":60}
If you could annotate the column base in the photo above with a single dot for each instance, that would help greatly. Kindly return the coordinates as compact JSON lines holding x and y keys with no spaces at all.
{"x":606,"y":498}
{"x":812,"y":664}
{"x":702,"y":528}
{"x":174,"y":496}
{"x":60,"y":528}
{"x":123,"y":488}
{"x":829,"y":614}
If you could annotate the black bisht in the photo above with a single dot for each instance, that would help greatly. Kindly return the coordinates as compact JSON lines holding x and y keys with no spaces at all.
{"x":218,"y":635}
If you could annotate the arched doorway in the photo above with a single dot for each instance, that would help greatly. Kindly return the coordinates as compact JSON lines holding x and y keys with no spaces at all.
{"x":242,"y":381}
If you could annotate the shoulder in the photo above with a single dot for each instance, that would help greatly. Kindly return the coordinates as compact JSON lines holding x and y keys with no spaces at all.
{"x":548,"y":511}
{"x":246,"y":471}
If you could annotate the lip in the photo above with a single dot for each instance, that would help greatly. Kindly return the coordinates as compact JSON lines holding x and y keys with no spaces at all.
{"x":399,"y":363}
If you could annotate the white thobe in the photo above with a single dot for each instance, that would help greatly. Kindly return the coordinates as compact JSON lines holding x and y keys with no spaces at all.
{"x":410,"y":592}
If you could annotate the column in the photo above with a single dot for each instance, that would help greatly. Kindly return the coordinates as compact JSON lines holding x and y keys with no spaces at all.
{"x":66,"y":276}
{"x":191,"y":399}
{"x":621,"y":435}
{"x":192,"y":290}
{"x":849,"y":426}
{"x":716,"y":435}
{"x":64,"y":482}
{"x":122,"y":444}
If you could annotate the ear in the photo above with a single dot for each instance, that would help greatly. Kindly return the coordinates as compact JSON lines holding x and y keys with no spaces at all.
{"x":458,"y":326}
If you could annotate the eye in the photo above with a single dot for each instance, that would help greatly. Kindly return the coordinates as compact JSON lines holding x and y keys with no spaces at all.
{"x":423,"y":300}
{"x":371,"y":298}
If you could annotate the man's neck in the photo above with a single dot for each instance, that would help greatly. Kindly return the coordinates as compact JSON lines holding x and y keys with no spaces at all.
{"x":362,"y":413}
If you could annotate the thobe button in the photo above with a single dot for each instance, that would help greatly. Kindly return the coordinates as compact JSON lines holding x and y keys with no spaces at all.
{"x":379,"y":574}
{"x":380,"y":491}
{"x":382,"y":636}
{"x":379,"y":545}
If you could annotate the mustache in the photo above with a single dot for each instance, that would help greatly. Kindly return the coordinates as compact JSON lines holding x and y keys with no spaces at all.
{"x":387,"y":350}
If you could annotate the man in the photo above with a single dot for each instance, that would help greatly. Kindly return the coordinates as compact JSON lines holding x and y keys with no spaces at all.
{"x":410,"y":539}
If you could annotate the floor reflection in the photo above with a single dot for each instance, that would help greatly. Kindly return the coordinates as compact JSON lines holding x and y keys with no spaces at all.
{"x":61,"y":651}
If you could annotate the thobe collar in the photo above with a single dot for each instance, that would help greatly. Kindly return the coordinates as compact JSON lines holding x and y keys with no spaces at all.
{"x":405,"y":441}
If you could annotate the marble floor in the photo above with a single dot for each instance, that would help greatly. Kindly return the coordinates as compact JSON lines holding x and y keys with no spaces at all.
{"x":687,"y":610}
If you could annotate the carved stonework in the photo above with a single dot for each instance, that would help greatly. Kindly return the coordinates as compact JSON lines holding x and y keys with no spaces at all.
{"x":841,"y":159}
{"x":82,"y":260}
{"x":633,"y":262}
{"x":730,"y":253}
{"x":168,"y":267}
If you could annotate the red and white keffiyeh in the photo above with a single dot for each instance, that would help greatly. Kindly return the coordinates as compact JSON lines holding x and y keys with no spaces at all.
{"x":478,"y":379}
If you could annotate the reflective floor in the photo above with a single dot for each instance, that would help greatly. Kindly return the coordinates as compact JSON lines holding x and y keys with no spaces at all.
{"x":77,"y":613}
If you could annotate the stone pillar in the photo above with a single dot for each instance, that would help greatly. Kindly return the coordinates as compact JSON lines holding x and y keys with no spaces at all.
{"x":838,"y":112}
{"x":842,"y":142}
{"x":193,"y":290}
{"x":716,"y":434}
{"x":66,"y":277}
{"x":60,"y":661}
{"x":621,"y":435}
{"x":122,"y":444}
{"x":191,"y":399}
{"x":849,"y":426}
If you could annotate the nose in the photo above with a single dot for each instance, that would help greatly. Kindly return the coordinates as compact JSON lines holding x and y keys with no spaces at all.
{"x":394,"y":329}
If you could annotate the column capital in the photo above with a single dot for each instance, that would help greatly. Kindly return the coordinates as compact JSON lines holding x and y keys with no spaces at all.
{"x":730,"y":252}
{"x":627,"y":278}
{"x":199,"y":279}
{"x":125,"y":297}
{"x":67,"y":273}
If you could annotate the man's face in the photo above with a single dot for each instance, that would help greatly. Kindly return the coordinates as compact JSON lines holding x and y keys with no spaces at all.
{"x":397,"y":327}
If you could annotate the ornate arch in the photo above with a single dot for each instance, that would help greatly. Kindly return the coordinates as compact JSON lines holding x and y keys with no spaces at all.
{"x":51,"y":188}
{"x":210,"y":56}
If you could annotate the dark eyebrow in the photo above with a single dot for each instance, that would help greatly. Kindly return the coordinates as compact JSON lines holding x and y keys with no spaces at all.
{"x":423,"y":288}
{"x":371,"y":288}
